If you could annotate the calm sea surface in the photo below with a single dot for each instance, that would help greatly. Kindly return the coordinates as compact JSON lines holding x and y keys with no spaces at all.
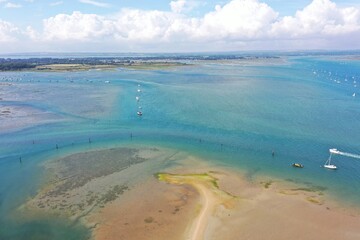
{"x":232,"y":113}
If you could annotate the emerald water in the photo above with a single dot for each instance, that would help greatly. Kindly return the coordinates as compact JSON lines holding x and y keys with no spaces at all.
{"x":232,"y":113}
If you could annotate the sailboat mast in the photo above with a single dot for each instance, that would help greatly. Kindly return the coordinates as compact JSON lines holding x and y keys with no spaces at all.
{"x":330,"y":159}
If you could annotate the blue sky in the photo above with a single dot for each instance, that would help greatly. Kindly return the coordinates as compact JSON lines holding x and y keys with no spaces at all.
{"x":178,"y":25}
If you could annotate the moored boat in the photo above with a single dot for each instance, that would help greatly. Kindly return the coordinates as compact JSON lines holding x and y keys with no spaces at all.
{"x":330,"y":166}
{"x":298,"y":165}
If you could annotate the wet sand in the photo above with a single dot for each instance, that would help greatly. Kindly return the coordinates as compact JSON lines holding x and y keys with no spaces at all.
{"x":119,"y":194}
{"x":14,"y":117}
{"x":153,"y":210}
{"x":277,"y":209}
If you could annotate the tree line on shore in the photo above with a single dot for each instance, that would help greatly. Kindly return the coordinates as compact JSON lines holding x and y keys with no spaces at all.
{"x":17,"y":64}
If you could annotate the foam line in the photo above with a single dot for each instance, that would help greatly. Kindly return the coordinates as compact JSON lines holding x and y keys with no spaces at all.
{"x":350,"y":155}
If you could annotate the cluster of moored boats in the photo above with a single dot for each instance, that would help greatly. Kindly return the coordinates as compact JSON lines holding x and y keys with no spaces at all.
{"x":328,"y":163}
{"x":335,"y":77}
{"x":139,"y":112}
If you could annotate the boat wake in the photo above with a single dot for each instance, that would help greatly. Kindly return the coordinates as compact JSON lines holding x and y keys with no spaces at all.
{"x":352,"y":155}
{"x":332,"y":151}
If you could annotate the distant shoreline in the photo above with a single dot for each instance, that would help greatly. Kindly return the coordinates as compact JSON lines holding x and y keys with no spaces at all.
{"x":66,"y":67}
{"x":106,"y":63}
{"x":87,"y":67}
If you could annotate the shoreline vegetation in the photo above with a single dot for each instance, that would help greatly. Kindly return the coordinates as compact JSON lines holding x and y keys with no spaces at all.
{"x":42,"y":62}
{"x":108,"y":63}
{"x":155,"y":193}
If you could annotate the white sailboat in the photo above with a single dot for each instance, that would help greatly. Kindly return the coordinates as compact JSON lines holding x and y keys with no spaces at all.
{"x":328,"y":164}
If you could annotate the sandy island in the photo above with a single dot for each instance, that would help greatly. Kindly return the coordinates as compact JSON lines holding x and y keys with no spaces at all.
{"x":86,"y":67}
{"x":152,"y":193}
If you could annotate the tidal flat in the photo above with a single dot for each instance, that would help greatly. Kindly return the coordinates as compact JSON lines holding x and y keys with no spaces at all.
{"x":120,"y":192}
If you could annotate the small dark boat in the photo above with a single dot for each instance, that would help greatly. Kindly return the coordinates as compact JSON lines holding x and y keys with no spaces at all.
{"x":139,"y":113}
{"x":298,"y":165}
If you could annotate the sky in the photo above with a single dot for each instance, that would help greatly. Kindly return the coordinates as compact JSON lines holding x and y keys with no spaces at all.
{"x":178,"y":25}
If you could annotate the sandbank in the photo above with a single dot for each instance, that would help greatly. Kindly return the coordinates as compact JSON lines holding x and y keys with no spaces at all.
{"x":72,"y":67}
{"x":105,"y":67}
{"x":153,"y":193}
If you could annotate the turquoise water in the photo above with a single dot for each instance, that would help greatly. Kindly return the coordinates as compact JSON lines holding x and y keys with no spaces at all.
{"x":231,"y":113}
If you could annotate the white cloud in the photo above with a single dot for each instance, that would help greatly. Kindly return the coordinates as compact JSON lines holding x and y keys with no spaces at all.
{"x":177,"y":6}
{"x":239,"y":19}
{"x":142,"y":26}
{"x":95,"y":3}
{"x":184,"y":6}
{"x":8,"y":31}
{"x":234,"y":23}
{"x":53,"y":4}
{"x":239,"y":24}
{"x":32,"y":33}
{"x":77,"y":26}
{"x":12,"y":5}
{"x":320,"y":18}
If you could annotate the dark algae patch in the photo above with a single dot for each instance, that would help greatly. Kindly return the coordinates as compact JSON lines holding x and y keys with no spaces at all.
{"x":149,"y":220}
{"x":267,"y":184}
{"x":113,"y":194}
{"x":79,"y":169}
{"x":77,"y":186}
{"x":72,"y":173}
